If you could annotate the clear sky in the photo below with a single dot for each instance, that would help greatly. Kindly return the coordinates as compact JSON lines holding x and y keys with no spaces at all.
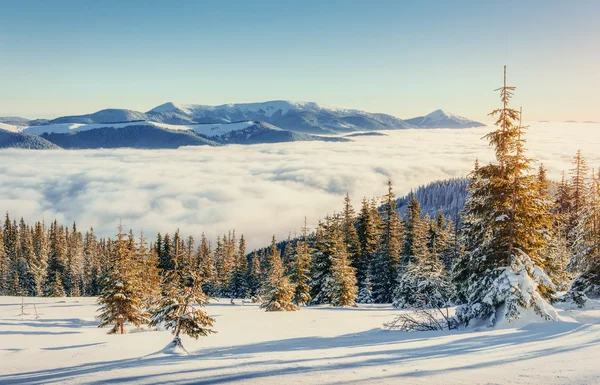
{"x":398,"y":57}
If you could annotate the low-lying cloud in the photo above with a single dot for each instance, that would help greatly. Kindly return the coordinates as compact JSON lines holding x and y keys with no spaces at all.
{"x":258,"y":190}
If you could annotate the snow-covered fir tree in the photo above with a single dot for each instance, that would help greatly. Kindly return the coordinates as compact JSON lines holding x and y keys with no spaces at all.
{"x":505,"y":223}
{"x":423,"y":281}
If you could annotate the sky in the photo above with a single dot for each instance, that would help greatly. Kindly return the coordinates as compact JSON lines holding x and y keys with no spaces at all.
{"x":404,"y":58}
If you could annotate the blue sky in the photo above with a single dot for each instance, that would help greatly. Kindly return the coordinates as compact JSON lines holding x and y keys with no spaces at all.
{"x":398,"y":57}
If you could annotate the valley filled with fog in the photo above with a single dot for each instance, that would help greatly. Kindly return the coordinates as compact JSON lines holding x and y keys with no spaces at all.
{"x":258,"y":190}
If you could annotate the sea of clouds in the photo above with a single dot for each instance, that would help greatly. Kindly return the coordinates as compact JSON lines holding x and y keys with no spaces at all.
{"x":257,"y":190}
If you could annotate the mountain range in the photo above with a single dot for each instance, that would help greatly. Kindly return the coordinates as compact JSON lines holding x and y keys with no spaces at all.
{"x":173,"y":125}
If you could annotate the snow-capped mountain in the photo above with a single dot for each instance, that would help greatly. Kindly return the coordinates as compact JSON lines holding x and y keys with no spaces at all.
{"x":172,"y":125}
{"x":304,"y":117}
{"x":442,"y":119}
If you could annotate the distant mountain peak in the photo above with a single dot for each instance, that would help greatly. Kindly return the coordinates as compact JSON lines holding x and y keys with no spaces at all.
{"x":442,"y":119}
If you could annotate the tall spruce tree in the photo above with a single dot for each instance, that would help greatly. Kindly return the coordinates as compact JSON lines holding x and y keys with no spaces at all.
{"x":505,"y":220}
{"x":122,"y":297}
{"x":300,"y":275}
{"x":384,"y":268}
{"x":368,"y":237}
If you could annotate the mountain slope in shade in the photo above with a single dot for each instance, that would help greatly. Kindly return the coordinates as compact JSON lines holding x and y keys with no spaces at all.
{"x":131,"y":136}
{"x":9,"y":139}
{"x":304,"y":117}
{"x":442,"y":119}
{"x":153,"y":135}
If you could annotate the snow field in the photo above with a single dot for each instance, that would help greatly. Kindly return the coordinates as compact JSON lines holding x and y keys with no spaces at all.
{"x":316,"y":345}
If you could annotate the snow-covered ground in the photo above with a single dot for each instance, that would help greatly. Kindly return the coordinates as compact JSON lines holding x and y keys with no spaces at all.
{"x":317,"y":345}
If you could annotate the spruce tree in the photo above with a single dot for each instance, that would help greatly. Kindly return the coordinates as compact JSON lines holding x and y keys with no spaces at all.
{"x":300,"y":276}
{"x":180,"y":307}
{"x":122,"y":297}
{"x":278,"y":291}
{"x":255,"y":275}
{"x":206,"y":267}
{"x":350,"y":234}
{"x":505,"y":222}
{"x":239,"y":277}
{"x":4,"y":264}
{"x":384,"y":269}
{"x":39,"y":265}
{"x":587,"y":244}
{"x":342,"y":286}
{"x":57,"y":262}
{"x":368,"y":237}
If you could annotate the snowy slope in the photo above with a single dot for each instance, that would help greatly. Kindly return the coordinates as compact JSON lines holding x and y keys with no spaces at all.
{"x":9,"y":127}
{"x":316,"y":345}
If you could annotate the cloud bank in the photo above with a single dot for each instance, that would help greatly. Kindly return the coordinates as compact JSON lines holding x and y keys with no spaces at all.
{"x":257,"y":190}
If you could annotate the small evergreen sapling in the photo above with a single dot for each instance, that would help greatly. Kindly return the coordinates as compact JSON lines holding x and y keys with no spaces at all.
{"x":180,"y":308}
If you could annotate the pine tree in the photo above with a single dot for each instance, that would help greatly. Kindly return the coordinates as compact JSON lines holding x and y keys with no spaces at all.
{"x":505,"y":220}
{"x":279,"y":293}
{"x":122,"y":297}
{"x":180,"y":308}
{"x":300,"y":275}
{"x":384,"y":269}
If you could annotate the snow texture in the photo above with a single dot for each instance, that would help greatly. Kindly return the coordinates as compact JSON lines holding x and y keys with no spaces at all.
{"x":316,"y":345}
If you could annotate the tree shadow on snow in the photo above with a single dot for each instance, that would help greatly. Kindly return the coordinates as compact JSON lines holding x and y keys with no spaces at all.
{"x":393,"y":350}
